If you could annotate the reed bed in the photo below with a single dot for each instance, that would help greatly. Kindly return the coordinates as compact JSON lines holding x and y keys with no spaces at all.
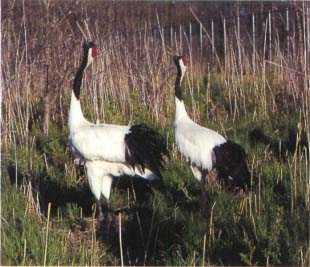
{"x":246,"y":70}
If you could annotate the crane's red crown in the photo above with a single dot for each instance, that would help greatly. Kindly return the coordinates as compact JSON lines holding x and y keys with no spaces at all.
{"x":91,"y":45}
{"x":94,"y":51}
{"x":177,"y":59}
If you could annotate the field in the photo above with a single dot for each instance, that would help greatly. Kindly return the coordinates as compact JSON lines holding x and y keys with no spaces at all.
{"x":248,"y":69}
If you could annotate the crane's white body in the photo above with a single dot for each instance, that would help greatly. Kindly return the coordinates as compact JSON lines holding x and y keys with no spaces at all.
{"x":95,"y":141}
{"x":100,"y":142}
{"x":194,"y":142}
{"x":100,"y":175}
{"x":102,"y":148}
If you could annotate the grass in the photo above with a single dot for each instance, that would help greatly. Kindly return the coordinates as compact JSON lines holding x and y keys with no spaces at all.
{"x":268,"y":225}
{"x":168,"y":223}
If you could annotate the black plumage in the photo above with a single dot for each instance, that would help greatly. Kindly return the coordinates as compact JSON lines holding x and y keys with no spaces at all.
{"x":145,"y":148}
{"x":178,"y":91}
{"x":80,"y":72}
{"x":230,"y":163}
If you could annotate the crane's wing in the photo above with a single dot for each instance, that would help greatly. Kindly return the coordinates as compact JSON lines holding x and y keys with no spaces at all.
{"x":100,"y":142}
{"x":100,"y":181}
{"x":101,"y":173}
{"x":196,"y":143}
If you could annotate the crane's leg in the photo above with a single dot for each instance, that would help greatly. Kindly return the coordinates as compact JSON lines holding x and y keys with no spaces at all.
{"x":100,"y":211}
{"x":103,"y":220}
{"x":204,"y":194}
{"x":196,"y":172}
{"x":201,"y":176}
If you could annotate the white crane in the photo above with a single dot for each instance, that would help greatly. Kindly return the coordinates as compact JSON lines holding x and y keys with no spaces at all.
{"x":204,"y":148}
{"x":110,"y":150}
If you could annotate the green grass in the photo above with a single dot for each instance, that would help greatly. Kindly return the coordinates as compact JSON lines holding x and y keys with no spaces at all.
{"x":254,"y":82}
{"x":269,"y":225}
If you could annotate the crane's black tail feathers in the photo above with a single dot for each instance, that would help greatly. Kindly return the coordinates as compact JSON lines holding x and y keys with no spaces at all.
{"x":145,"y":148}
{"x":230,"y":162}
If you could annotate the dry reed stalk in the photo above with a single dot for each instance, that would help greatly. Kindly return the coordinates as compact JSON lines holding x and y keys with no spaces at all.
{"x":211,"y":226}
{"x":204,"y":249}
{"x":120,"y":237}
{"x":25,"y":251}
{"x":93,"y":235}
{"x":254,"y":44}
{"x":47,"y":232}
{"x":225,"y":46}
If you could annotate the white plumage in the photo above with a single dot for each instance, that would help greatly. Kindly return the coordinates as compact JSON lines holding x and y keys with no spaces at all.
{"x":194,"y":142}
{"x":95,"y":141}
{"x":103,"y":147}
{"x":100,"y":142}
{"x":99,"y":178}
{"x":204,"y":148}
{"x":100,"y":175}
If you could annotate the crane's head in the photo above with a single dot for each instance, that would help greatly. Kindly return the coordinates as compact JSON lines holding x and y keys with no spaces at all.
{"x":90,"y":52}
{"x":180,"y":62}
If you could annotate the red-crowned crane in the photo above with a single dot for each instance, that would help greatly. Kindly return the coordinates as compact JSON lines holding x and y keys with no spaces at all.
{"x":204,"y":148}
{"x":110,"y":150}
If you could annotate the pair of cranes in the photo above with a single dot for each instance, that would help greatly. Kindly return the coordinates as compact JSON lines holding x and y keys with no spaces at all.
{"x":110,"y":150}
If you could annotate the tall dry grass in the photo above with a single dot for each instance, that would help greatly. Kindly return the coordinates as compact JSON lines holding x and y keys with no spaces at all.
{"x":260,"y":72}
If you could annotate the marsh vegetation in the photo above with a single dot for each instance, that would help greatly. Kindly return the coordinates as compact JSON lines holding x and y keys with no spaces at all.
{"x":248,"y":69}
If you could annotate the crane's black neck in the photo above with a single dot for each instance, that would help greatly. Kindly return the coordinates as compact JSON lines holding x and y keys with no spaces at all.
{"x":178,"y":81}
{"x":79,"y":76}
